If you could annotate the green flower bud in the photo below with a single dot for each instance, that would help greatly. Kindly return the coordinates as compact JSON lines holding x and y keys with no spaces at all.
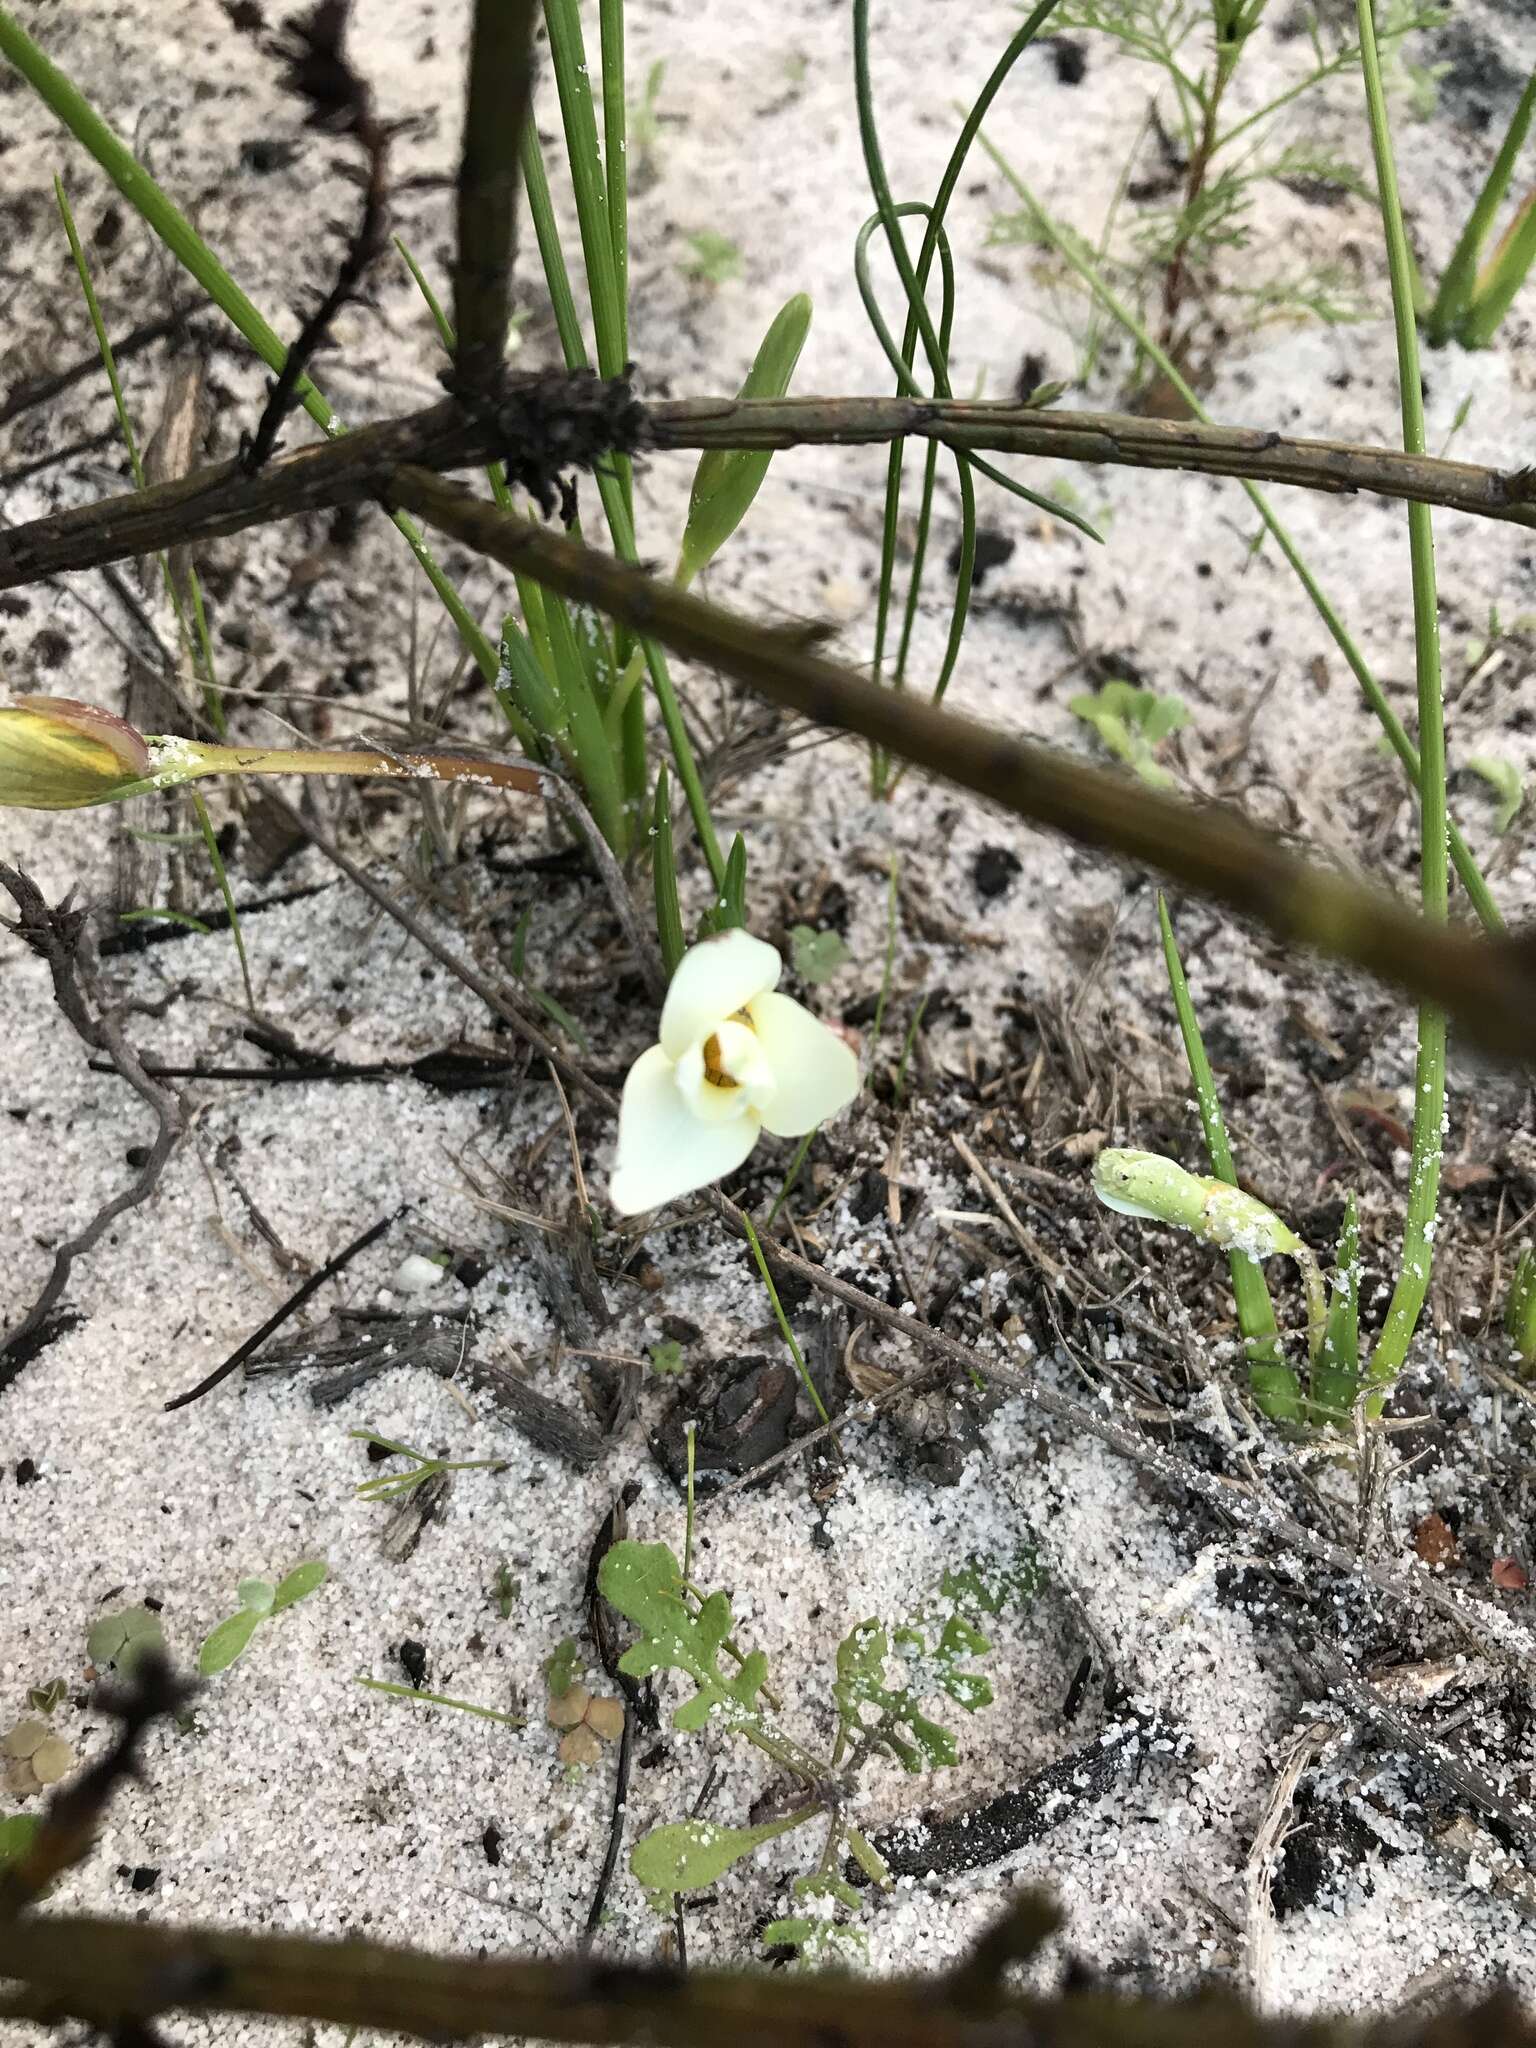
{"x":58,"y":755}
{"x":1147,"y":1185}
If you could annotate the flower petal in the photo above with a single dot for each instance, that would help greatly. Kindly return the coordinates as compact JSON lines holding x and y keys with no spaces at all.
{"x":814,"y":1071}
{"x":664,"y":1149}
{"x":713,"y":980}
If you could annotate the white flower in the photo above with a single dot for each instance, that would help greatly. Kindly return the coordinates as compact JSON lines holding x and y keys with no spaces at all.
{"x":735,"y":1060}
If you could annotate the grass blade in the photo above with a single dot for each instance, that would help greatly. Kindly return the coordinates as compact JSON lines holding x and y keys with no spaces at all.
{"x":1408,"y":1296}
{"x":1068,"y":248}
{"x":1336,"y":1376}
{"x":669,"y":910}
{"x":1453,"y":300}
{"x":1275,"y":1386}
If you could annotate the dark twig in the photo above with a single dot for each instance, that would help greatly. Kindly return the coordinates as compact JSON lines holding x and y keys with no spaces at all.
{"x":340,"y":103}
{"x":1489,"y":987}
{"x":620,"y":1806}
{"x":75,"y":1810}
{"x":40,"y":390}
{"x":540,"y":423}
{"x":223,"y":499}
{"x":56,"y":934}
{"x":1502,"y":1803}
{"x":496,"y":107}
{"x":105,"y":1971}
{"x":280,"y":1315}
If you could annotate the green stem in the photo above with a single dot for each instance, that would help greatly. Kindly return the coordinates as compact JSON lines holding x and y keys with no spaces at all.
{"x":783,"y":1320}
{"x":1276,"y":1388}
{"x":1429,"y":1071}
{"x":167,"y":220}
{"x":1467,"y":870}
{"x":221,"y":875}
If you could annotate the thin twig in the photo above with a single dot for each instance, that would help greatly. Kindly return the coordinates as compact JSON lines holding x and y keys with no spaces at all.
{"x":281,"y":1314}
{"x":56,"y":934}
{"x":1264,"y":1856}
{"x":495,"y":110}
{"x":340,"y":103}
{"x":450,"y":436}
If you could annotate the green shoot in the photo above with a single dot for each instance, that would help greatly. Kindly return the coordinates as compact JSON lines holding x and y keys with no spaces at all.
{"x":726,"y":481}
{"x":1132,"y":724}
{"x":790,"y":1178}
{"x":394,"y":1485}
{"x":260,"y":1601}
{"x":783,"y":1321}
{"x":221,"y":875}
{"x":394,"y":1691}
{"x":1472,"y":299}
{"x":669,"y":911}
{"x":1520,"y":1312}
{"x":1412,"y":1287}
{"x":1336,"y":1375}
{"x":729,"y":910}
{"x":1276,"y":1388}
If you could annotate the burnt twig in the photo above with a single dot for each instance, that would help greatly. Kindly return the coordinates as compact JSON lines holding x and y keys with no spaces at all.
{"x":495,"y":110}
{"x":56,"y":934}
{"x":280,"y":1315}
{"x":340,"y":103}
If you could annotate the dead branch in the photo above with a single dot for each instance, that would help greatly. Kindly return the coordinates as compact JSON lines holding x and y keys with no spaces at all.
{"x":340,"y":103}
{"x":107,"y":1972}
{"x":449,"y":437}
{"x":55,"y":934}
{"x":495,"y":110}
{"x":541,"y":423}
{"x":1489,"y":987}
{"x":281,"y":1314}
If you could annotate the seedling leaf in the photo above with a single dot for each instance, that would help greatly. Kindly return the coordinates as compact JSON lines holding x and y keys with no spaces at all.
{"x":303,"y":1580}
{"x":227,"y":1642}
{"x":121,"y":1639}
{"x":1504,"y":778}
{"x":816,"y":955}
{"x":691,"y":1855}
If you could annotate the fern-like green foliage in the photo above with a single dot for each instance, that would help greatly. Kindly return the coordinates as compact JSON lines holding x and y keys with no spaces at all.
{"x":644,"y":1581}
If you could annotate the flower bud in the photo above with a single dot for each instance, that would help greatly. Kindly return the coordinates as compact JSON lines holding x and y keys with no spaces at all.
{"x":57,"y":755}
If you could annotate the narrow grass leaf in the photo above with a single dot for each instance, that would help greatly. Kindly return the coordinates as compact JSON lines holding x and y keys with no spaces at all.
{"x":1275,"y":1385}
{"x":727,"y":480}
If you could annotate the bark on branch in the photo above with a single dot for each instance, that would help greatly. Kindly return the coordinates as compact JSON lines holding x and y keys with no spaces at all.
{"x":108,"y":1972}
{"x":1489,"y":987}
{"x":220,"y":501}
